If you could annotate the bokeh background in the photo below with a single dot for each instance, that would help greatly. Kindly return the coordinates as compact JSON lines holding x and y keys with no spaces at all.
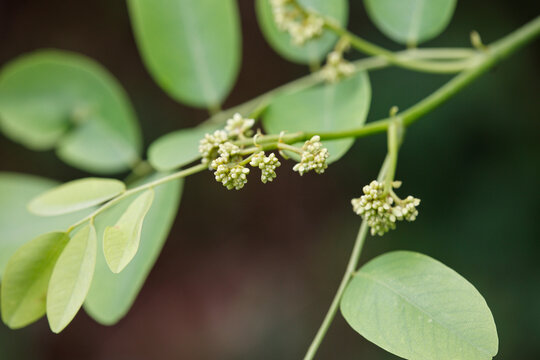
{"x":250,"y":274}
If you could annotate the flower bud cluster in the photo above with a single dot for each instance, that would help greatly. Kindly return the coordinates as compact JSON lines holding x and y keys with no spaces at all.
{"x":209,"y":145}
{"x":382,"y":209}
{"x":336,"y":67}
{"x":235,"y":128}
{"x":267,"y":165}
{"x":238,"y":126}
{"x":314,"y":157}
{"x":301,"y":26}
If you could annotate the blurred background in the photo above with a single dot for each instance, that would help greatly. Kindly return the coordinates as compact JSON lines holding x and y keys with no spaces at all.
{"x":250,"y":274}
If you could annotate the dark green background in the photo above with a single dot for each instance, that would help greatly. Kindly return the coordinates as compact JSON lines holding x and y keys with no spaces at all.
{"x":249,"y":274}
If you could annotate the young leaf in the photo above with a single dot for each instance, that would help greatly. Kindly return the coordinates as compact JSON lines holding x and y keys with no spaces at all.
{"x":417,"y":308}
{"x":111,"y":295}
{"x":71,"y":278}
{"x":60,"y":99}
{"x":121,"y":241}
{"x":329,"y":107}
{"x":410,"y":21}
{"x":16,"y":191}
{"x":76,"y":195}
{"x":26,"y":279}
{"x":192,"y":48}
{"x":314,"y":50}
{"x":178,"y":148}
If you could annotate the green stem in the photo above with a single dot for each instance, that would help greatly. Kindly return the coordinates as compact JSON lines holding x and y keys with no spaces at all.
{"x":351,"y":267}
{"x":256,"y":105}
{"x":393,"y":150}
{"x":394,"y":59}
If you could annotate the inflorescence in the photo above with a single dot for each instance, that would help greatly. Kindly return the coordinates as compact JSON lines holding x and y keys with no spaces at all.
{"x":381,"y":209}
{"x":228,"y":160}
{"x":302,"y":26}
{"x":314,"y":157}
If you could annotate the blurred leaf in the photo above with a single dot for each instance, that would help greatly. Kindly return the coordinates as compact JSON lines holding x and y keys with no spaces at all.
{"x":191,"y":48}
{"x":76,"y":195}
{"x":178,"y":148}
{"x":60,"y":99}
{"x":71,"y":278}
{"x":417,"y":308}
{"x":410,"y":21}
{"x":26,"y":279}
{"x":17,"y":224}
{"x":121,"y":241}
{"x":111,"y":295}
{"x":314,"y":50}
{"x":329,"y":107}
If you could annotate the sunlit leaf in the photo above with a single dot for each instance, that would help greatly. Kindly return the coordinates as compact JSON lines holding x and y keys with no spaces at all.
{"x":111,"y":295}
{"x":178,"y":148}
{"x":328,"y":107}
{"x":75,"y":195}
{"x":417,"y":308}
{"x":26,"y":279}
{"x":71,"y":278}
{"x":314,"y":50}
{"x":121,"y":241}
{"x":192,"y":48}
{"x":410,"y":21}
{"x":17,"y":224}
{"x":60,"y":99}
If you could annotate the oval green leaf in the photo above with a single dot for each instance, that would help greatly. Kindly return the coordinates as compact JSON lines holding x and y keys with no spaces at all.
{"x":76,"y":195}
{"x":71,"y":278}
{"x":111,"y":295}
{"x":121,"y":241}
{"x":417,"y":308}
{"x":60,"y":99}
{"x":178,"y":148}
{"x":16,"y":191}
{"x":314,"y":50}
{"x":410,"y":21}
{"x":191,"y":48}
{"x":328,"y":107}
{"x":26,"y":279}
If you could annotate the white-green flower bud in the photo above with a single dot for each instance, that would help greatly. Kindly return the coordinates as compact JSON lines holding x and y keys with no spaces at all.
{"x":231,"y":177}
{"x":238,"y":125}
{"x":381,"y":210}
{"x":301,"y":27}
{"x":208,"y":146}
{"x":314,"y":157}
{"x":267,"y":164}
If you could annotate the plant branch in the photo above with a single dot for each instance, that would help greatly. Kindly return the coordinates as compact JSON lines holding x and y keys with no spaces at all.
{"x":177,"y":175}
{"x":393,"y":58}
{"x":351,"y":267}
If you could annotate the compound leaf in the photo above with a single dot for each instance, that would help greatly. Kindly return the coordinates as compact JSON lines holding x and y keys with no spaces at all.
{"x":60,"y":99}
{"x":26,"y":279}
{"x":17,"y":224}
{"x":76,"y":195}
{"x":121,"y":241}
{"x":191,"y":48}
{"x":410,"y":21}
{"x":328,"y":107}
{"x":71,"y":278}
{"x":111,"y":295}
{"x":417,"y":308}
